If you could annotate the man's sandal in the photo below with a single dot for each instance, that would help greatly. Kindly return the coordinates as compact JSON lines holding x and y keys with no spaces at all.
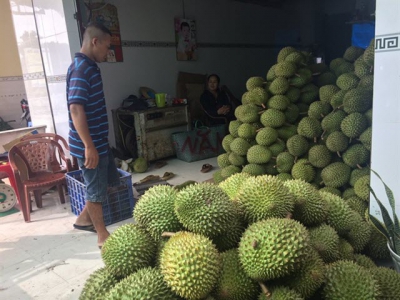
{"x":206,"y":168}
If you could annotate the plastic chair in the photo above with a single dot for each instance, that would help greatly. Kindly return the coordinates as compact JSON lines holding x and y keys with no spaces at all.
{"x":33,"y":165}
{"x":59,"y":139}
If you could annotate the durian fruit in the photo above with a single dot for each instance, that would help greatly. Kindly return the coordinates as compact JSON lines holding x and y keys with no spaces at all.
{"x":128,"y":249}
{"x":258,"y":96}
{"x":303,"y":77}
{"x":361,"y":187}
{"x":309,"y":278}
{"x":229,"y":171}
{"x":359,"y":233}
{"x":190,"y":264}
{"x":325,"y":240}
{"x":227,"y":140}
{"x":284,"y":162}
{"x":376,"y":247}
{"x":236,"y":160}
{"x":155,"y":211}
{"x":332,"y":121}
{"x":276,"y":148}
{"x":357,"y":204}
{"x":271,"y":73}
{"x":264,"y":197}
{"x":361,"y":69}
{"x":309,"y":208}
{"x":254,"y":82}
{"x":147,"y":283}
{"x":354,"y":124}
{"x":326,"y":78}
{"x":339,"y":214}
{"x":297,"y":145}
{"x":273,"y":248}
{"x":319,"y":156}
{"x":366,"y":138}
{"x":231,"y":238}
{"x":346,"y":251}
{"x":358,"y":173}
{"x":357,"y":100}
{"x":347,"y":81}
{"x":336,"y":62}
{"x":258,"y":154}
{"x":293,"y":94}
{"x":286,"y":132}
{"x":302,"y":169}
{"x":345,"y":67}
{"x":369,"y":54}
{"x":254,"y":169}
{"x":204,"y":208}
{"x":337,"y":99}
{"x":326,"y":92}
{"x":272,"y":118}
{"x":285,"y":69}
{"x":284,"y":52}
{"x":356,"y":155}
{"x":223,"y":160}
{"x":279,"y":102}
{"x":319,"y":109}
{"x":388,"y":281}
{"x":234,"y":127}
{"x":217,"y":177}
{"x":233,"y":283}
{"x":368,"y":115}
{"x":364,"y":261}
{"x":247,"y":113}
{"x":337,"y":142}
{"x":99,"y":283}
{"x":233,"y":184}
{"x":336,"y":174}
{"x":309,"y":128}
{"x":346,"y":280}
{"x":284,"y":176}
{"x":309,"y":93}
{"x":247,"y":131}
{"x":352,"y":53}
{"x":347,"y":193}
{"x":266,"y":136}
{"x":331,"y":190}
{"x":240,"y":146}
{"x":279,"y":86}
{"x":279,"y":293}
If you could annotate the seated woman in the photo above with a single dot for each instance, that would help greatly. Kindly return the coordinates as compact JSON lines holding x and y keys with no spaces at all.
{"x":216,"y":103}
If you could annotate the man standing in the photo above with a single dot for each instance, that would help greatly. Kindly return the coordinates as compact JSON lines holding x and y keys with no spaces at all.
{"x":88,"y":123}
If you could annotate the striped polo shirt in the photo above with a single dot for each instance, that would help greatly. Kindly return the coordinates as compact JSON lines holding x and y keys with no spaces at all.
{"x":85,"y":87}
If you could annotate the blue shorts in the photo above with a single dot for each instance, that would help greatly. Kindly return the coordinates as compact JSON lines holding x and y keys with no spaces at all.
{"x":99,"y":179}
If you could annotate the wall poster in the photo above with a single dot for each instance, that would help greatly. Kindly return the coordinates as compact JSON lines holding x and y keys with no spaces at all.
{"x":107,"y":14}
{"x":185,"y":38}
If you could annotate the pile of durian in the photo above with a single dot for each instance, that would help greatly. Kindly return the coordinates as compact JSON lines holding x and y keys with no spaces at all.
{"x":247,"y":238}
{"x":306,"y":121}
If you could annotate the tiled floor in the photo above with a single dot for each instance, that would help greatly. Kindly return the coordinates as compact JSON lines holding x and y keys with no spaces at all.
{"x":47,"y":258}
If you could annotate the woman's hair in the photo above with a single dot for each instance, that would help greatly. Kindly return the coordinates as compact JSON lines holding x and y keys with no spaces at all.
{"x":213,"y":75}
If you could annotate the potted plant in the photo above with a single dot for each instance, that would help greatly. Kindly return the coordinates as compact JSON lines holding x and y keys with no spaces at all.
{"x":390,"y":227}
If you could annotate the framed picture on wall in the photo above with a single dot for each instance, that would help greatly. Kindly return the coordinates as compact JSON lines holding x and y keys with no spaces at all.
{"x":106,"y":14}
{"x":185,"y":38}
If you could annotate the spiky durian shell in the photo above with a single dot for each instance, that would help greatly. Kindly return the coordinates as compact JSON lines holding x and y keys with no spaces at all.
{"x":233,"y":283}
{"x":309,"y":208}
{"x":364,"y":261}
{"x":232,"y":184}
{"x":389,"y":282}
{"x":325,"y":240}
{"x":346,"y":280}
{"x":281,"y":293}
{"x":128,"y":249}
{"x":205,"y":208}
{"x":359,"y":233}
{"x":190,"y":264}
{"x":155,"y":211}
{"x":339,"y":213}
{"x":264,"y":197}
{"x":308,"y":279}
{"x":273,"y":248}
{"x":147,"y":283}
{"x":99,"y":283}
{"x":346,"y":250}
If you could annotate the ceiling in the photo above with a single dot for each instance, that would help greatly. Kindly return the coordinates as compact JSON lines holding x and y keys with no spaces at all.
{"x":267,"y":3}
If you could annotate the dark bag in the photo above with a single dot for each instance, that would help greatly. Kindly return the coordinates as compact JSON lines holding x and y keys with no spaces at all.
{"x":200,"y":143}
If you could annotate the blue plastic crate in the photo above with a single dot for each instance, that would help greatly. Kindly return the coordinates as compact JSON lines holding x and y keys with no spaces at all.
{"x":118,"y":205}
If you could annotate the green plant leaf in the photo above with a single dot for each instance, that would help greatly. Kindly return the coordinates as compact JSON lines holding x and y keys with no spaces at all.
{"x":385,"y":215}
{"x":379,"y":226}
{"x":390,"y":196}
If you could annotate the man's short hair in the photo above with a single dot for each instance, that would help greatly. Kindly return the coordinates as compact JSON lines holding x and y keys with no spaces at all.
{"x":185,"y":24}
{"x":95,"y":29}
{"x":214,"y":75}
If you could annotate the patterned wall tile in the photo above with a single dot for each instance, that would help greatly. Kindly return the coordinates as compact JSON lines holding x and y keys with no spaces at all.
{"x":387,"y":42}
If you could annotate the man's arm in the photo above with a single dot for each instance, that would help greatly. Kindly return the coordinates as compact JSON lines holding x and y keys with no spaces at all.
{"x":78,"y":117}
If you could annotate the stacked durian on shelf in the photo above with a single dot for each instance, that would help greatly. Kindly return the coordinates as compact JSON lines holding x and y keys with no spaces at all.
{"x":247,"y":238}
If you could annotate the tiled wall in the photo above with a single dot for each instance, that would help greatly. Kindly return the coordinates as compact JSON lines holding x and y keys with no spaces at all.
{"x":12,"y":91}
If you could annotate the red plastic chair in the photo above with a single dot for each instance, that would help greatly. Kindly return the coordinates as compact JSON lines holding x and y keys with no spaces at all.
{"x":59,"y":139}
{"x":33,"y":164}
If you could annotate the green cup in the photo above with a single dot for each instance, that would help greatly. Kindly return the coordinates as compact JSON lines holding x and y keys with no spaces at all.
{"x":160,"y":100}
